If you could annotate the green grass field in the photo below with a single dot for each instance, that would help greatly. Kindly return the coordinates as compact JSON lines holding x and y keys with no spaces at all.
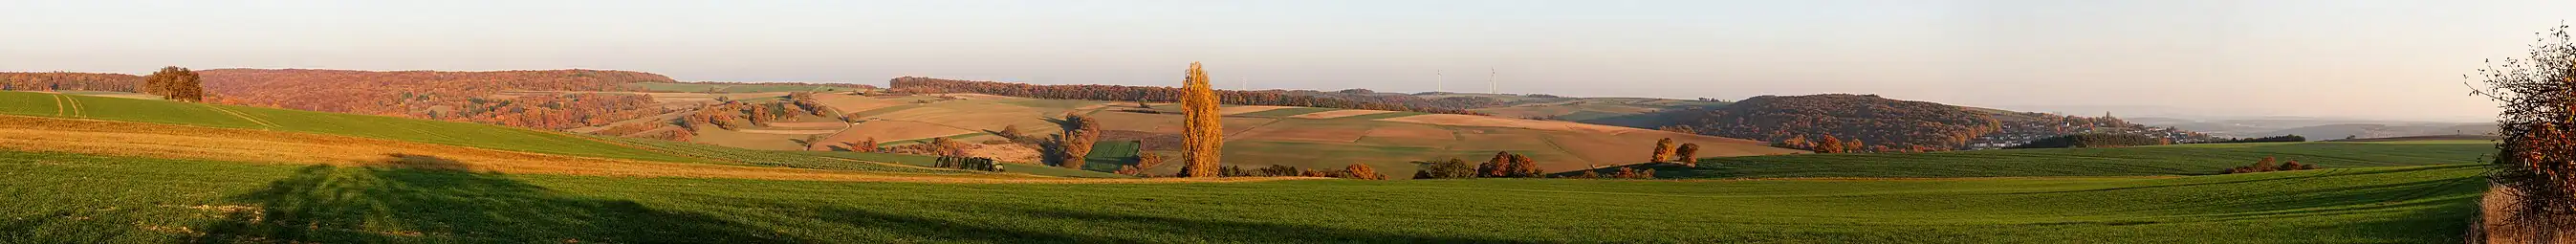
{"x":58,"y":198}
{"x":2193,"y":159}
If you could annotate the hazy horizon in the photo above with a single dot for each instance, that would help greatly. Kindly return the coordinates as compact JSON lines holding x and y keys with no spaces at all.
{"x":2387,"y":60}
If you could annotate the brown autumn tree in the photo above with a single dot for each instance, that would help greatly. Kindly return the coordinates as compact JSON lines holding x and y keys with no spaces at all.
{"x":1687,"y":154}
{"x":866,"y":146}
{"x":176,"y":84}
{"x":1497,"y":167}
{"x":1830,"y":145}
{"x":1364,"y":172}
{"x":1523,"y":167}
{"x":1204,"y":131}
{"x":1144,"y":161}
{"x":1080,"y":133}
{"x":1663,"y":151}
{"x":2534,"y":198}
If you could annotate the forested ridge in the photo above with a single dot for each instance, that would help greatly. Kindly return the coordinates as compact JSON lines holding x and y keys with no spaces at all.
{"x":1851,"y":122}
{"x":1168,"y":94}
{"x":444,"y":95}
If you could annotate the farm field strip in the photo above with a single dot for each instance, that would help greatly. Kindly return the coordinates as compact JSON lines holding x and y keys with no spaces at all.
{"x":81,"y":198}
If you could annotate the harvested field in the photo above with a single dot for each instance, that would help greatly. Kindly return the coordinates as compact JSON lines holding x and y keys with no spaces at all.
{"x":1339,"y":114}
{"x":852,"y":103}
{"x":788,"y":132}
{"x":1233,"y":110}
{"x":128,"y":139}
{"x":1401,"y":134}
{"x":808,"y":125}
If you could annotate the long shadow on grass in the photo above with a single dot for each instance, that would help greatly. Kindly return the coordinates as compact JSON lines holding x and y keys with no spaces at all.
{"x":422,"y":198}
{"x":1014,"y":223}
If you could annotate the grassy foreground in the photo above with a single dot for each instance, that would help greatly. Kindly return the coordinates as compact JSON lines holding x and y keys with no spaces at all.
{"x":2194,"y":159}
{"x":59,"y":198}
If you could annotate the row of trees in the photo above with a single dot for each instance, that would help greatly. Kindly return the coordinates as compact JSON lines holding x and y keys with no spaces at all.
{"x":2266,"y":166}
{"x":63,"y":81}
{"x":1854,"y":122}
{"x":1687,"y":154}
{"x":1159,"y":94}
{"x":2282,"y":138}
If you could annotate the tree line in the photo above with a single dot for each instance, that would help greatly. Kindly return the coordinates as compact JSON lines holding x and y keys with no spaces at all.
{"x":70,"y":81}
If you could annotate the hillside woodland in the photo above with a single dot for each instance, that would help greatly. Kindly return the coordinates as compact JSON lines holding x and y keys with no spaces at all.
{"x":442,"y":95}
{"x":1852,"y":122}
{"x":922,"y":85}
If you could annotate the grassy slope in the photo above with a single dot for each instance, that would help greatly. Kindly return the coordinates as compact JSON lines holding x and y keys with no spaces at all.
{"x":72,"y":198}
{"x":439,"y":132}
{"x":2196,"y":159}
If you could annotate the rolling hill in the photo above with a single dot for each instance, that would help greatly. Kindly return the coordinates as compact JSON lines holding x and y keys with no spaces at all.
{"x":2170,"y":160}
{"x":49,"y":122}
{"x":85,"y":171}
{"x":1257,"y":135}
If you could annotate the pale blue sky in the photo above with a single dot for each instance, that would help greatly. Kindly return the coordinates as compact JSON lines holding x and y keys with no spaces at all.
{"x":2356,"y":59}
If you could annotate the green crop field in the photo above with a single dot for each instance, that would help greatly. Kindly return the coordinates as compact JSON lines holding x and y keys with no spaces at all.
{"x":157,"y":111}
{"x":60,"y":198}
{"x":2193,"y":159}
{"x":28,"y":103}
{"x":1107,"y":156}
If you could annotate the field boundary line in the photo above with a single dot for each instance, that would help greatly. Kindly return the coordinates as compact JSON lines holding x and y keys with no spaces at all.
{"x":239,"y":114}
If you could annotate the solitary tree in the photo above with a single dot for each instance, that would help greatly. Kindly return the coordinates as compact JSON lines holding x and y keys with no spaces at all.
{"x":1829,"y":145}
{"x":1080,"y":132}
{"x":1204,"y":132}
{"x":1688,"y":154}
{"x":1364,"y":172}
{"x":1663,"y":150}
{"x":2535,"y":197}
{"x":175,"y":83}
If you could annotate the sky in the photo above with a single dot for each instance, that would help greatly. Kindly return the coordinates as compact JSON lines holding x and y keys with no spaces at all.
{"x":2394,"y":60}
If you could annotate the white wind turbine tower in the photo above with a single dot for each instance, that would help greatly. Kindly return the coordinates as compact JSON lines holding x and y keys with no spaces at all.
{"x":1492,"y":87}
{"x":1442,"y":83}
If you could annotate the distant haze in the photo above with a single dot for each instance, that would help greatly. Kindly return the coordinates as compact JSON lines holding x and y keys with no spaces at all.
{"x":2398,"y":60}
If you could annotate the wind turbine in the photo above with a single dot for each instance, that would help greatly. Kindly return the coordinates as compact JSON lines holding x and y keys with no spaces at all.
{"x":1492,"y":87}
{"x":1443,"y":82}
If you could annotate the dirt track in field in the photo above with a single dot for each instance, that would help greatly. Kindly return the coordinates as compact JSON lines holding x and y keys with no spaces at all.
{"x":19,"y":133}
